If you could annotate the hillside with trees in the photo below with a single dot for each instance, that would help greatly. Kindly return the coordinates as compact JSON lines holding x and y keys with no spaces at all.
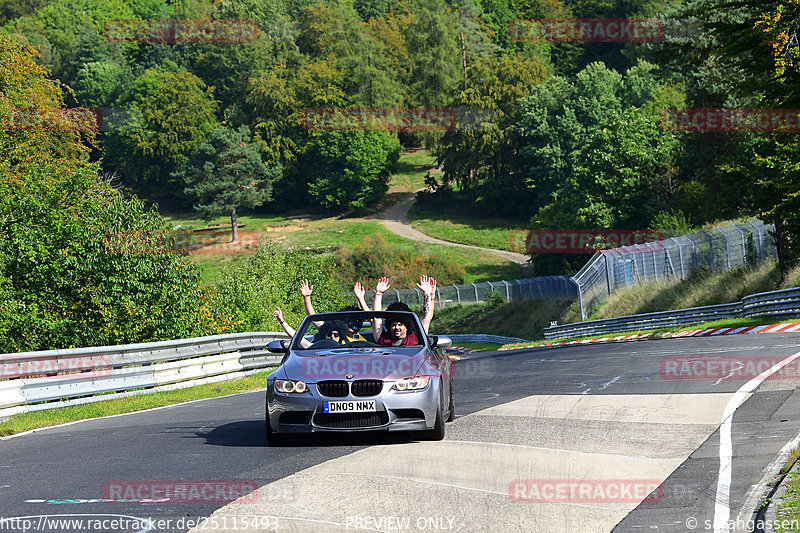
{"x":557,"y":134}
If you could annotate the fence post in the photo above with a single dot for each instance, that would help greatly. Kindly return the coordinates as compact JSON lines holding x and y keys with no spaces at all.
{"x":711,"y":246}
{"x":419,"y":296}
{"x":458,"y":294}
{"x":476,"y":291}
{"x":760,"y":242}
{"x":439,"y":294}
{"x":727,"y":246}
{"x":608,"y":273}
{"x":744,"y":244}
{"x":680,"y":255}
{"x":508,"y":294}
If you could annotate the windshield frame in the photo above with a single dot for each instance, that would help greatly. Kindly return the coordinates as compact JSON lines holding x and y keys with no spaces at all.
{"x":346,"y":316}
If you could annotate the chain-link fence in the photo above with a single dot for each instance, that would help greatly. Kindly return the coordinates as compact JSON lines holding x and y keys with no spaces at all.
{"x":719,"y":249}
{"x":539,"y":288}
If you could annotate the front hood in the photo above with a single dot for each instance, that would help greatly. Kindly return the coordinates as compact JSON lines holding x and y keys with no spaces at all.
{"x":354,"y":363}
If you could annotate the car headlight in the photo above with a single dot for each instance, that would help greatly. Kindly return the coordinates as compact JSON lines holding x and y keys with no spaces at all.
{"x":408,"y":384}
{"x":290,"y":387}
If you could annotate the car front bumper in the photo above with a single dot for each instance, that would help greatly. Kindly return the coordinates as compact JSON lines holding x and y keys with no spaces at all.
{"x":396,"y":411}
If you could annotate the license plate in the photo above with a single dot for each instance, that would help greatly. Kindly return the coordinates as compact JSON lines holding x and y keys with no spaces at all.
{"x":364,"y":406}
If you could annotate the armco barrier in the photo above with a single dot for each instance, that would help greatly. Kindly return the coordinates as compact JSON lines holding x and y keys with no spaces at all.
{"x":775,"y":303}
{"x":90,"y":374}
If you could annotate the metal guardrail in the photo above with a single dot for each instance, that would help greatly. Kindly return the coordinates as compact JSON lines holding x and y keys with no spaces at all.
{"x":773,"y":303}
{"x":481,"y":337}
{"x":29,"y":380}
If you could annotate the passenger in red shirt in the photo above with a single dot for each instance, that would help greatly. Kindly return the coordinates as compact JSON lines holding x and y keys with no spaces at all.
{"x":397,"y":332}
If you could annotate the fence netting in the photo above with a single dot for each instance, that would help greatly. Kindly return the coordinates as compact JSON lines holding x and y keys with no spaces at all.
{"x":718,"y":249}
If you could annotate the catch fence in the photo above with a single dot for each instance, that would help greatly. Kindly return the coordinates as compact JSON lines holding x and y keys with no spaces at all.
{"x":718,"y":249}
{"x":538,"y":288}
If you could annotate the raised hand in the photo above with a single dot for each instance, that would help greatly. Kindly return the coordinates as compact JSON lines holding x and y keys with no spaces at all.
{"x":383,"y":285}
{"x":278,"y":314}
{"x":359,"y":290}
{"x":427,"y":285}
{"x":306,"y":289}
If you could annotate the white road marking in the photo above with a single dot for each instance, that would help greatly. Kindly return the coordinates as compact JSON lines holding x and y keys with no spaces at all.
{"x":722,"y":511}
{"x":610,"y":382}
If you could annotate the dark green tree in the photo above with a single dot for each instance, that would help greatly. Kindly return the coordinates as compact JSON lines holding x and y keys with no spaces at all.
{"x":350,"y":170}
{"x":225,"y":173}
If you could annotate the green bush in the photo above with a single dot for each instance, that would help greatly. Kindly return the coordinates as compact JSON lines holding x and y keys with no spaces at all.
{"x":250,"y":290}
{"x":375,"y":258}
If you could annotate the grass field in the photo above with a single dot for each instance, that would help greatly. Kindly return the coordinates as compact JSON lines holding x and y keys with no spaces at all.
{"x":327,"y":234}
{"x":455,"y":226}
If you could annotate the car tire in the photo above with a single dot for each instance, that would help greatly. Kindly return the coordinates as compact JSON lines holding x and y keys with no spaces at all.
{"x":451,"y":415}
{"x":273,"y":438}
{"x":437,"y":433}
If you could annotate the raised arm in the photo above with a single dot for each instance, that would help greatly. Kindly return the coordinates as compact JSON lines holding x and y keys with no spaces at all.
{"x":377,"y":323}
{"x":306,"y":290}
{"x":289,"y":330}
{"x":359,"y":291}
{"x":428,"y":287}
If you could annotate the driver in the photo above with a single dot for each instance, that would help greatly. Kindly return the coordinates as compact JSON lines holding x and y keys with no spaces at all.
{"x":398,"y":332}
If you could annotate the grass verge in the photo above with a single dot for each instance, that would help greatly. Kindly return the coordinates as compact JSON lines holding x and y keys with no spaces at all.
{"x":788,"y":512}
{"x":480,"y":346}
{"x":51,"y":417}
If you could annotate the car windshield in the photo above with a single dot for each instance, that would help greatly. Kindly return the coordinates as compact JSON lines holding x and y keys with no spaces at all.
{"x":353,"y":329}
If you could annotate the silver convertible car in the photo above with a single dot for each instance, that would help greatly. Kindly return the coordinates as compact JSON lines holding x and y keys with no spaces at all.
{"x":336,"y":377}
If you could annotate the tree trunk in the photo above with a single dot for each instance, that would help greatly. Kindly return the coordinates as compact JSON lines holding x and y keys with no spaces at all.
{"x":234,"y":228}
{"x":464,"y":53}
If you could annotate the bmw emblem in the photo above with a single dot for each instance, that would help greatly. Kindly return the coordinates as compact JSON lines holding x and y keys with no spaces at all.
{"x":350,"y":376}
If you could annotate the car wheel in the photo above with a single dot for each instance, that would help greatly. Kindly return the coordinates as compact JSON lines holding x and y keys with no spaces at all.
{"x":437,"y":433}
{"x":273,"y":438}
{"x":451,"y":415}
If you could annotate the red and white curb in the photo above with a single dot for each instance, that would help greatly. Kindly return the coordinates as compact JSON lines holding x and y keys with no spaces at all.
{"x":771,"y":328}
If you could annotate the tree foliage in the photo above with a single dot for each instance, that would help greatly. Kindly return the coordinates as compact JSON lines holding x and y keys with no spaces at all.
{"x":225,"y":173}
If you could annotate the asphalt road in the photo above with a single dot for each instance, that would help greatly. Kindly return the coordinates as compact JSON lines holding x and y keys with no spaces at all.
{"x":616,"y":418}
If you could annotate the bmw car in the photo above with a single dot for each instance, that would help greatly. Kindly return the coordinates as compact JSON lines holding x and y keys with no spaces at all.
{"x":336,"y":377}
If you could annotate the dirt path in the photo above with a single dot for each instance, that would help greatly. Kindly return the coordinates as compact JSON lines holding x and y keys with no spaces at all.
{"x":395,"y":219}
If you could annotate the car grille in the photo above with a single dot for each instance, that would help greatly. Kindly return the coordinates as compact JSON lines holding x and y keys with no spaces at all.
{"x":367,"y":387}
{"x":351,"y":420}
{"x":333,"y":389}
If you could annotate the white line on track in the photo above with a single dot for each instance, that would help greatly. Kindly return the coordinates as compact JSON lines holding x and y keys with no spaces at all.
{"x":722,"y":510}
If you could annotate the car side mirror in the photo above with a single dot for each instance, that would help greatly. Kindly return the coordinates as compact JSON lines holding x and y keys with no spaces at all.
{"x":278,"y":346}
{"x":439,"y":341}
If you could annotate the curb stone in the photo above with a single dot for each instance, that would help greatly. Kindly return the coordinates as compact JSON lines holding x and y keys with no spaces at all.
{"x":788,"y":327}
